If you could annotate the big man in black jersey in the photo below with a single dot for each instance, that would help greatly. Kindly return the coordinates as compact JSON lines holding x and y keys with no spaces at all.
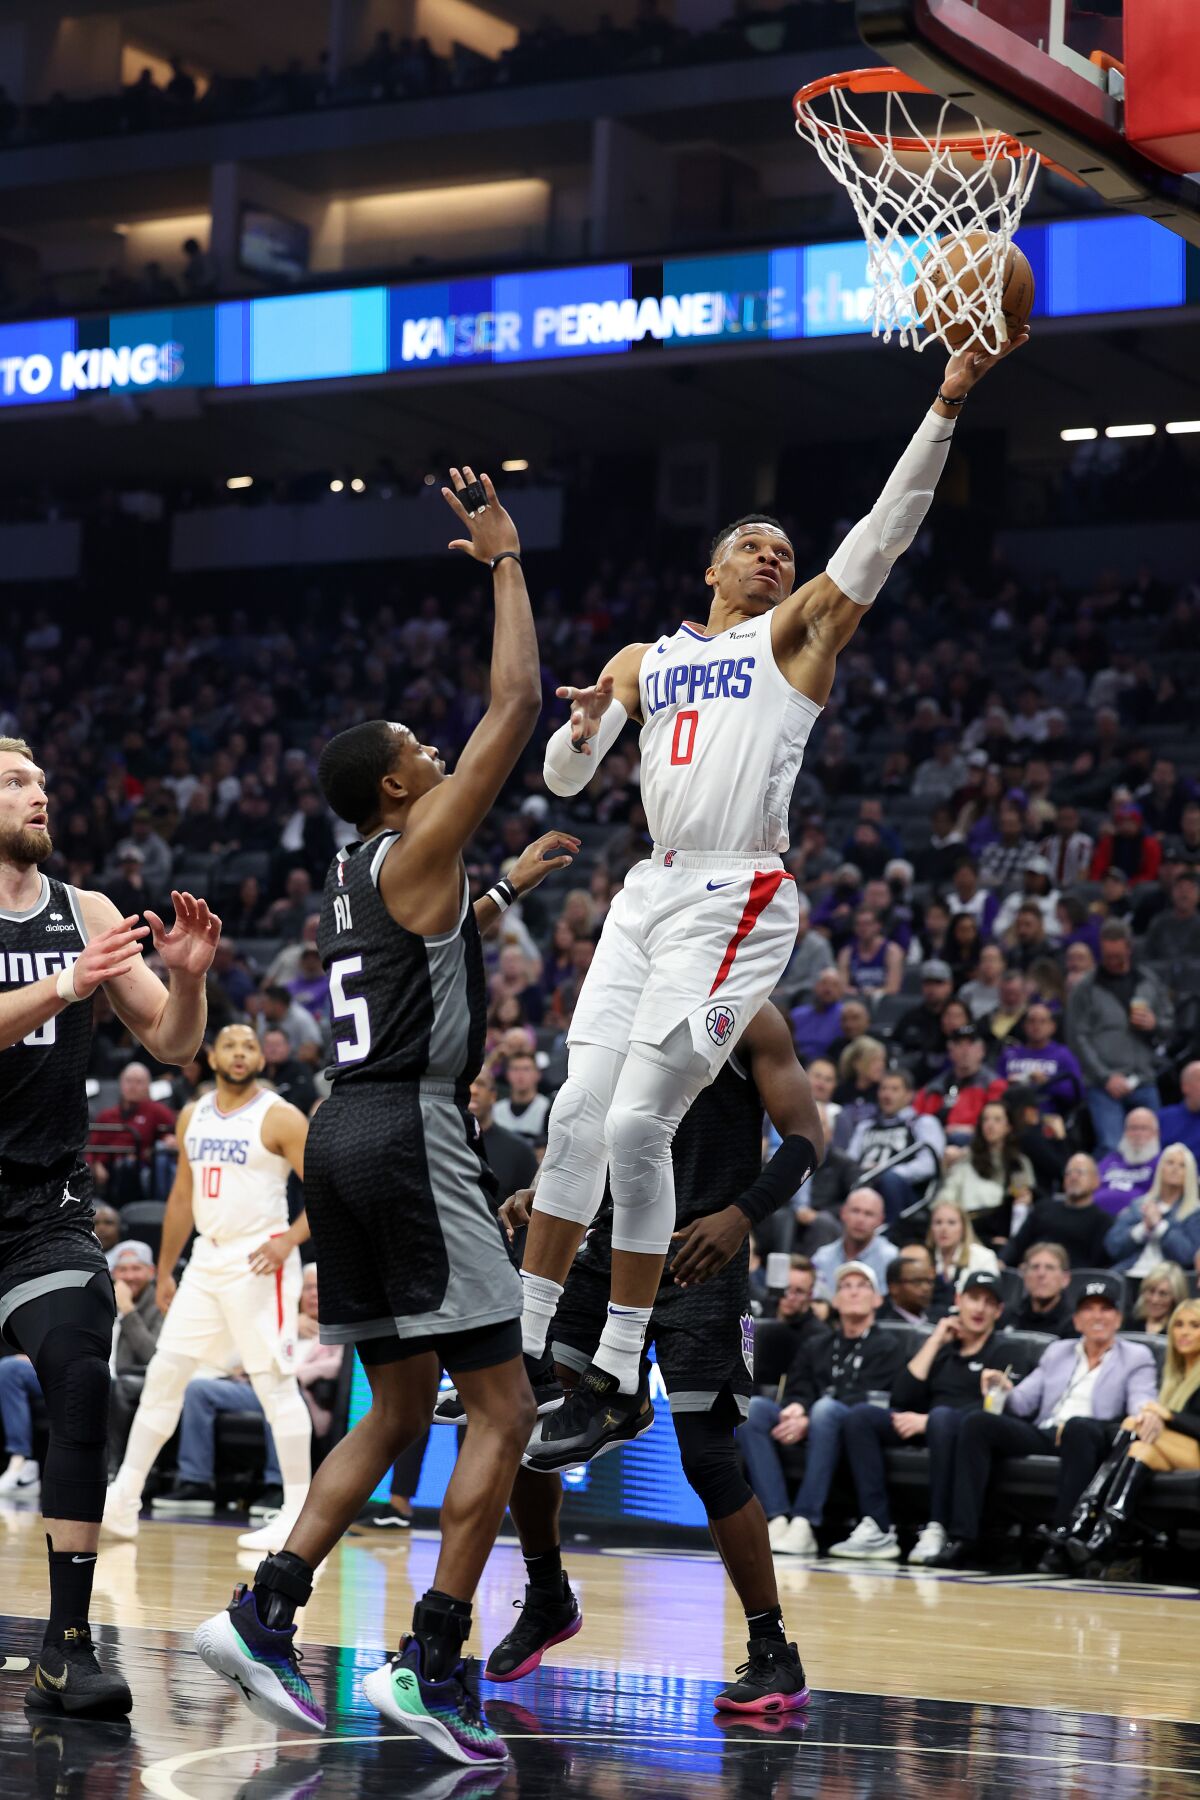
{"x":57,"y":946}
{"x":413,"y":1266}
{"x":703,"y":1340}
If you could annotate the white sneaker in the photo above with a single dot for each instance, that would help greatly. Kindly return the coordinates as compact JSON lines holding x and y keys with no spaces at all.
{"x":777,"y":1530}
{"x":120,"y":1514}
{"x":931,"y":1543}
{"x":799,"y":1540}
{"x":867,"y":1543}
{"x":21,"y":1480}
{"x":272,"y":1536}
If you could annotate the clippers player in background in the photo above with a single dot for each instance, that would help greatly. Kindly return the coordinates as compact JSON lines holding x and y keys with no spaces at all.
{"x":59,"y":944}
{"x":241,"y":1289}
{"x":704,"y":1342}
{"x":700,"y":934}
{"x":413,"y":1267}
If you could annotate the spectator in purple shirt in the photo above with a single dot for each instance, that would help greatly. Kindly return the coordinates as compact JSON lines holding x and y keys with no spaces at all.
{"x":817,"y":1026}
{"x":310,"y":985}
{"x":1127,"y":1173}
{"x":1042,"y":1063}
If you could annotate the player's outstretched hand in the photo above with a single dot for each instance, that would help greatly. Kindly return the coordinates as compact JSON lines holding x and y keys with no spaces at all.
{"x":190,"y":945}
{"x":588,"y":707}
{"x":553,"y":850}
{"x":109,"y":954}
{"x":966,"y":367}
{"x":707,"y":1244}
{"x":514,"y":1213}
{"x":490,"y":527}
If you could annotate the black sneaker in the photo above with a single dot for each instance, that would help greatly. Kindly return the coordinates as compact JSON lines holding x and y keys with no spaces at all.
{"x":543,"y":1623}
{"x":67,"y":1678}
{"x":771,"y":1682}
{"x":548,"y":1390}
{"x":449,"y":1409}
{"x":381,"y":1515}
{"x":595,"y":1416}
{"x":187,"y":1500}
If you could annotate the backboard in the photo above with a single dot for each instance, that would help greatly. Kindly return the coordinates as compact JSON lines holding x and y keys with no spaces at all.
{"x":1049,"y":72}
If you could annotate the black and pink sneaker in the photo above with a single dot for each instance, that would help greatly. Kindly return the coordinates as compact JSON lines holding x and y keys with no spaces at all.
{"x":542,"y":1624}
{"x":771,"y":1682}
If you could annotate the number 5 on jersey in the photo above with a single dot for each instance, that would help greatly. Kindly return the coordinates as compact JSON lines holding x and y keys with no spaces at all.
{"x":352,"y":1007}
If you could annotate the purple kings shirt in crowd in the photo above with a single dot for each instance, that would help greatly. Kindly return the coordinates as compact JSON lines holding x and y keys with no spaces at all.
{"x":1052,"y":1069}
{"x":1122,"y":1182}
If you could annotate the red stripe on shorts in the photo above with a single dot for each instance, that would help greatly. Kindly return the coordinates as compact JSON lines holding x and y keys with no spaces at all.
{"x":279,"y":1298}
{"x":763,"y":889}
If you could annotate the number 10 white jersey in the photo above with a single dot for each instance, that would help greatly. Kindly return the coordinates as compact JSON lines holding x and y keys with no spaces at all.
{"x":723,"y":740}
{"x":239,"y":1187}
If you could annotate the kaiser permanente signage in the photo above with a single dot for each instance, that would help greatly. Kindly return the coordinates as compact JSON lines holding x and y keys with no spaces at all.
{"x":605,"y":309}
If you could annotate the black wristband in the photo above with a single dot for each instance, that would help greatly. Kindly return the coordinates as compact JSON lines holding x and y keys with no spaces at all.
{"x":515,"y":554}
{"x":946,"y":400}
{"x":783,"y":1176}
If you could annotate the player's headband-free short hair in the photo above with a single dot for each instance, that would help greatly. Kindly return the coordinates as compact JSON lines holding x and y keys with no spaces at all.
{"x":745,"y":523}
{"x":352,"y":766}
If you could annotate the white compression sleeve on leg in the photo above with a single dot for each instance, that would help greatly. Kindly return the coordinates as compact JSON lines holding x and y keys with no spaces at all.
{"x":863,"y":560}
{"x":291,"y":1427}
{"x":571,"y":1184}
{"x":657,"y":1085}
{"x":568,"y":771}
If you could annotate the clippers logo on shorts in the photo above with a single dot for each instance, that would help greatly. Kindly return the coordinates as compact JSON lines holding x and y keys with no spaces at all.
{"x":719,"y":1025}
{"x":669,"y":858}
{"x":747,"y":1324}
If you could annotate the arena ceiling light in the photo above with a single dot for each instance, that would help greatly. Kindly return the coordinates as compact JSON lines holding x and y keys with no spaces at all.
{"x":1180,"y":427}
{"x":336,"y":485}
{"x":1079,"y":434}
{"x":515,"y":465}
{"x":239,"y":481}
{"x":1124,"y":431}
{"x":359,"y":485}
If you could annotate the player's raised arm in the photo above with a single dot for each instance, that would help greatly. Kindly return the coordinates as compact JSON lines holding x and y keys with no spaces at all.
{"x":113,"y":951}
{"x":442,"y":820}
{"x":598,"y":714}
{"x":815,"y":623}
{"x":553,"y":850}
{"x":169,"y":1021}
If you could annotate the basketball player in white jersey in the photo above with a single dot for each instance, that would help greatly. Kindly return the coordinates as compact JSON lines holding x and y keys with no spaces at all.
{"x":241,"y":1289}
{"x":699,"y":937}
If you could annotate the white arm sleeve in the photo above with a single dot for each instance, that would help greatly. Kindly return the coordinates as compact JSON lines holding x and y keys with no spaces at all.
{"x":568,"y":771}
{"x":863,"y":560}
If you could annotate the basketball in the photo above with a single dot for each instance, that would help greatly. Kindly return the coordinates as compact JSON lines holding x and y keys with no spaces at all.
{"x":943,"y":298}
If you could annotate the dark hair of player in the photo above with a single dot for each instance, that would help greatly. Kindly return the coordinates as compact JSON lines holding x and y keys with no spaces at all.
{"x":351,"y":768}
{"x":727,"y":531}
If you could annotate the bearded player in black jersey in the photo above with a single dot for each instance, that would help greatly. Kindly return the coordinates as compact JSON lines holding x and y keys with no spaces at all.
{"x":703,"y":1339}
{"x":413,"y":1266}
{"x":58,"y":945}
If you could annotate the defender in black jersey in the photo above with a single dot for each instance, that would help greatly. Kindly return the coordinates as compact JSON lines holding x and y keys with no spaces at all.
{"x":703,"y":1340}
{"x":414,"y":1270}
{"x":57,"y":946}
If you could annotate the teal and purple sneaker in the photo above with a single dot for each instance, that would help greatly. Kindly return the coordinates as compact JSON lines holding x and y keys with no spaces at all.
{"x":447,"y":1714}
{"x":262,"y":1664}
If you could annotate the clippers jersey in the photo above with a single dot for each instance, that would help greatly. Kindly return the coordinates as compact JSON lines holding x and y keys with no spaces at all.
{"x":723,"y":740}
{"x":43,"y":1105}
{"x":403,"y":1007}
{"x":239,"y":1187}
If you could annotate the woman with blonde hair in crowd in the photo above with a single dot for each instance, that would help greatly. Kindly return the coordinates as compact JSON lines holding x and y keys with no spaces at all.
{"x":1163,"y":1288}
{"x":956,"y":1253}
{"x":1163,"y":1437}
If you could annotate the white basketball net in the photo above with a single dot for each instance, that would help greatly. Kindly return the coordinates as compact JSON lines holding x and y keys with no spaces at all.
{"x":918,"y":206}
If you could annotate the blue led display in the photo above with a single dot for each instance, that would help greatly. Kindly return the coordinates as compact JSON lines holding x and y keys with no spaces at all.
{"x":605,"y":309}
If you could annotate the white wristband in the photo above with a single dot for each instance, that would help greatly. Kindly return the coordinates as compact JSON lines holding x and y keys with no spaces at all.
{"x":65,"y":985}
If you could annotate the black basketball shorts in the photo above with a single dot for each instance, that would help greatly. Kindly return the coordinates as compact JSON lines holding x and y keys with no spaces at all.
{"x":47,"y":1239}
{"x":397,"y":1196}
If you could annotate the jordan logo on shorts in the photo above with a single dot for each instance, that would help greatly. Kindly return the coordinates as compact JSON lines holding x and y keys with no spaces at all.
{"x":719,"y":1024}
{"x":68,"y":1195}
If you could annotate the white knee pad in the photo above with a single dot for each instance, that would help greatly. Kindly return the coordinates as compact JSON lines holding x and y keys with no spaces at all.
{"x":571,"y":1184}
{"x":657,"y":1085}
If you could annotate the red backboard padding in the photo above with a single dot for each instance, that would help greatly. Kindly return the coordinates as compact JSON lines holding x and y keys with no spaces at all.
{"x":1162,"y":81}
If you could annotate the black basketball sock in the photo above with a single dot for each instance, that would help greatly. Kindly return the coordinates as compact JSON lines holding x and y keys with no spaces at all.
{"x":71,"y":1573}
{"x":546,"y":1574}
{"x":441,"y":1625}
{"x":768,"y":1624}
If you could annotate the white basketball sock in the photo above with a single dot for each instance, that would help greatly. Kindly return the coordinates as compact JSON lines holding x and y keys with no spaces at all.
{"x":621,"y":1343}
{"x":541,"y":1303}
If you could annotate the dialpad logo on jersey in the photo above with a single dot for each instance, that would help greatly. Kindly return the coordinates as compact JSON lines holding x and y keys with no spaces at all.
{"x":719,"y":1025}
{"x":747,"y":1324}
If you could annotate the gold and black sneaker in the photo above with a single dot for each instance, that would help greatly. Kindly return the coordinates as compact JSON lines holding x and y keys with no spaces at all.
{"x":595,"y":1416}
{"x":67,"y":1678}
